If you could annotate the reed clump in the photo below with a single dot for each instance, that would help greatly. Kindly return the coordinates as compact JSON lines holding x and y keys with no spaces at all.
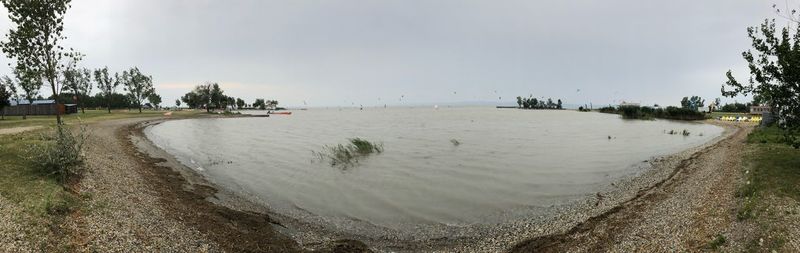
{"x":347,"y":155}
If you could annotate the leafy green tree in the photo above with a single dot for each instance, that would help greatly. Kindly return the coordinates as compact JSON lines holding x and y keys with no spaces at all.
{"x":79,"y":82}
{"x":30,"y":84}
{"x":774,"y":74}
{"x":107,"y":84}
{"x":694,"y":103}
{"x":139,"y":86}
{"x":260,"y":104}
{"x":177,"y":103}
{"x":217,"y":96}
{"x":559,"y":105}
{"x":5,"y":95}
{"x":207,"y":95}
{"x":35,"y":42}
{"x":240,"y":103}
{"x":154,"y":98}
{"x":519,"y":101}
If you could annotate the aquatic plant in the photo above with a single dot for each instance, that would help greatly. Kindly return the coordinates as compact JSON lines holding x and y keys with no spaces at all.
{"x":348,"y":155}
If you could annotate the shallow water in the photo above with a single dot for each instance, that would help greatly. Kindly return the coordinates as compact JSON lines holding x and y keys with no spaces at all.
{"x":507,"y":159}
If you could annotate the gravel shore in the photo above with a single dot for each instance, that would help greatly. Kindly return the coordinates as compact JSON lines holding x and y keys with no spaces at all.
{"x":143,"y":201}
{"x":14,"y":236}
{"x":124,"y":213}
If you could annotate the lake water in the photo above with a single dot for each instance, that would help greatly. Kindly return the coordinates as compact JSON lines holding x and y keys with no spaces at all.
{"x":507,"y":159}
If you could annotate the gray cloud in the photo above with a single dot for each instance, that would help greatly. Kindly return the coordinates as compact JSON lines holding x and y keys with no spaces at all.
{"x":342,"y":52}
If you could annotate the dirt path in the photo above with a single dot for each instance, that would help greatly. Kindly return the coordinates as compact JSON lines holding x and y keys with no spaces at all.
{"x":15,"y":130}
{"x":684,"y":213}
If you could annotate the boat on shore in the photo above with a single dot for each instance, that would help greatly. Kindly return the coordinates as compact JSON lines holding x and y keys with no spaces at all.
{"x":280,"y":113}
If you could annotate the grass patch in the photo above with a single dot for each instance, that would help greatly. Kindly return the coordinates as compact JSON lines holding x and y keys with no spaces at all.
{"x":349,"y":154}
{"x":43,"y":200}
{"x":772,"y":172}
{"x":774,"y":166}
{"x":717,"y":242}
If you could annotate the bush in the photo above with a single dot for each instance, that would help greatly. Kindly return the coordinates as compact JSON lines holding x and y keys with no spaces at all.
{"x":348,"y":155}
{"x":735,"y":107}
{"x":636,"y":112}
{"x":608,"y":109}
{"x":59,"y":153}
{"x":678,"y":113}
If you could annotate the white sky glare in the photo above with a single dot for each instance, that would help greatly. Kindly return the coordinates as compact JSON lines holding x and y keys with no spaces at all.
{"x":332,"y":53}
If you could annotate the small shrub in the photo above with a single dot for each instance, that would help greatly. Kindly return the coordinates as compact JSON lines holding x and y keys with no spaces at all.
{"x":455,"y":142}
{"x":685,"y":132}
{"x":608,"y":109}
{"x":60,"y":205}
{"x":348,"y":155}
{"x":59,"y":153}
{"x":717,"y":242}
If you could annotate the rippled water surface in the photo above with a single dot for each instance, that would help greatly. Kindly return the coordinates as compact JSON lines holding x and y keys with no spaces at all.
{"x":507,"y":159}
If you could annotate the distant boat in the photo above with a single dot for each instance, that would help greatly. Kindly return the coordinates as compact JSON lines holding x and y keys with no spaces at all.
{"x":280,"y":113}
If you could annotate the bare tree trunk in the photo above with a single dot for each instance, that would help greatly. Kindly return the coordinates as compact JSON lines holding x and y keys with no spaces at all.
{"x":55,"y":100}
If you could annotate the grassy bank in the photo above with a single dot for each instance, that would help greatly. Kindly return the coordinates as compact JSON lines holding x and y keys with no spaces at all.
{"x":42,"y":199}
{"x":770,"y":196}
{"x":44,"y":202}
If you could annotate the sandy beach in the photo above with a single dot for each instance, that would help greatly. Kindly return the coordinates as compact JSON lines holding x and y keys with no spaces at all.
{"x":148,"y":201}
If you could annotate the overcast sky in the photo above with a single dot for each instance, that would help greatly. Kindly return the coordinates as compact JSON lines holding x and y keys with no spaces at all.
{"x":331,"y":53}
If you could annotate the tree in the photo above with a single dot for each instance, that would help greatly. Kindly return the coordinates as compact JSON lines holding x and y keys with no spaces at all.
{"x":177,"y":103}
{"x":106,"y":83}
{"x":694,"y":103}
{"x":217,"y":96}
{"x":519,"y":101}
{"x":154,"y":98}
{"x":207,"y":95}
{"x":240,"y":103}
{"x":5,"y":95}
{"x":35,"y":42}
{"x":138,"y":86}
{"x":774,"y":75}
{"x":558,"y":106}
{"x":30,"y":84}
{"x":260,"y":104}
{"x":79,"y":82}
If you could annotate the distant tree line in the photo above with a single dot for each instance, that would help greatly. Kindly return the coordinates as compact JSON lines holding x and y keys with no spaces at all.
{"x":77,"y":85}
{"x":689,"y":110}
{"x":533,"y":103}
{"x":735,"y":107}
{"x":210,"y":96}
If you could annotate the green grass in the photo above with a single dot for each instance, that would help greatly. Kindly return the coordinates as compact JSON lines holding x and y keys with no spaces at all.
{"x":775,"y":166}
{"x":89,"y":117}
{"x":45,"y":203}
{"x":349,"y":154}
{"x":717,"y":242}
{"x":43,"y":200}
{"x":772,"y":172}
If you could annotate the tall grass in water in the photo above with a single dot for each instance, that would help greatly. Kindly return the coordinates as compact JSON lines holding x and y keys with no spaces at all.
{"x":348,"y":155}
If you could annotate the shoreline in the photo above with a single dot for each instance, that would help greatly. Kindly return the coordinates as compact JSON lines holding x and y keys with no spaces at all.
{"x":496,"y":237}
